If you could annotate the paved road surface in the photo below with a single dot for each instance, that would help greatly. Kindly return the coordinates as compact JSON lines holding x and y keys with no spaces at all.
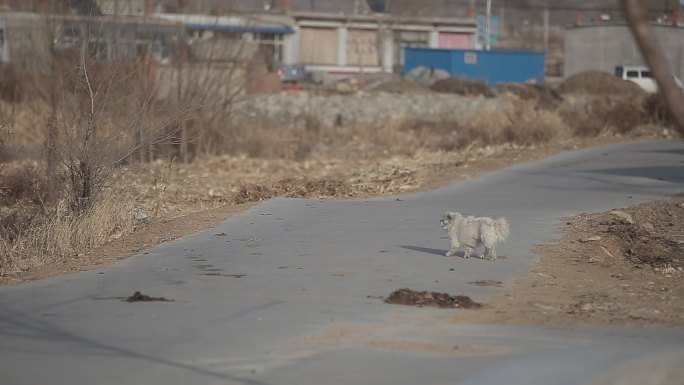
{"x":290,"y":293}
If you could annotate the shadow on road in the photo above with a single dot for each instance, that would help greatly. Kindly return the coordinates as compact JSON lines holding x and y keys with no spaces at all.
{"x":21,"y":325}
{"x":425,"y":250}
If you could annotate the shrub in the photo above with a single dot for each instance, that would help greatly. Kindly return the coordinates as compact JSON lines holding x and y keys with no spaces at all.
{"x":657,"y":111}
{"x":592,"y":116}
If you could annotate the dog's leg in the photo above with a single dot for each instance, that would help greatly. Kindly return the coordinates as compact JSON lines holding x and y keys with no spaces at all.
{"x":468,"y":251}
{"x":490,"y":253}
{"x":489,"y":241}
{"x":455,"y":245}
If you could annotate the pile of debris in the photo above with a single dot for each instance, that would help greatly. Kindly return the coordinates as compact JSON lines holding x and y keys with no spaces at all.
{"x":463,"y":86}
{"x":425,"y":298}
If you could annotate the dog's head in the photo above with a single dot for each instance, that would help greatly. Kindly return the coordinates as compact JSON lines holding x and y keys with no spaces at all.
{"x":448,"y":219}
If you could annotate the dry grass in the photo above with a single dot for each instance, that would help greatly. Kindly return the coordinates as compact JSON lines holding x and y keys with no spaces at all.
{"x":64,"y":234}
{"x":599,"y":115}
{"x":543,"y":95}
{"x":293,"y":188}
{"x":519,"y":123}
{"x":656,"y":111}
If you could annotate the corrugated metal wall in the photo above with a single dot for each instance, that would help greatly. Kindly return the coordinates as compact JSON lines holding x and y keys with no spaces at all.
{"x":492,"y":66}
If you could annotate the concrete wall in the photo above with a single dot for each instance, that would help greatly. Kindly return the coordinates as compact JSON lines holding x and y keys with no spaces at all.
{"x":28,"y":40}
{"x":604,"y":47}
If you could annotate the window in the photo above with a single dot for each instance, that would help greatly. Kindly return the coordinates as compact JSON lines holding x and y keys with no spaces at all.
{"x":632,"y":74}
{"x":646,"y":74}
{"x":271,"y":43}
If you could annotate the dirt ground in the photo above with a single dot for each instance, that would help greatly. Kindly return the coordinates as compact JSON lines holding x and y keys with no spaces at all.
{"x":623,"y":267}
{"x":605,"y":269}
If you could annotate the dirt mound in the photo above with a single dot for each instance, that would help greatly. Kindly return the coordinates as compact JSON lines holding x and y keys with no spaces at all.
{"x":622,"y":267}
{"x":648,"y":234}
{"x":599,"y":83}
{"x":401,"y":87}
{"x":293,"y":188}
{"x":463,"y":86}
{"x":425,"y":298}
{"x":542,"y":94}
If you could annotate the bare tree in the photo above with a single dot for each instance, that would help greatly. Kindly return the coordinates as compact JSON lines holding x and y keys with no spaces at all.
{"x":637,"y":16}
{"x":102,"y":114}
{"x":212,"y":74}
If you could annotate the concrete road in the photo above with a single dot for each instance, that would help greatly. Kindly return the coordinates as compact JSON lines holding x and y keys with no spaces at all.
{"x":290,"y":293}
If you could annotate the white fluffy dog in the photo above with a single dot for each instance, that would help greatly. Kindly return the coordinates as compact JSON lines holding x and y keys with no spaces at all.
{"x":471,"y":232}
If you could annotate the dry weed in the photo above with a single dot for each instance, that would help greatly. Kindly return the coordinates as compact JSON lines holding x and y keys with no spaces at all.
{"x":656,"y":111}
{"x":293,"y":188}
{"x":519,"y":123}
{"x":543,"y":95}
{"x":598,"y":115}
{"x":20,"y":182}
{"x":65,"y":234}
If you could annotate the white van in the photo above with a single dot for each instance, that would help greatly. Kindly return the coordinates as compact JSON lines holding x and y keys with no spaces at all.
{"x":642,"y":76}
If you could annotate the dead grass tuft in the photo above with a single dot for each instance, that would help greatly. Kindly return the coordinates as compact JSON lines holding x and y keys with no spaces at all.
{"x":64,"y":233}
{"x":21,"y":182}
{"x":519,"y":123}
{"x":542,"y":95}
{"x":442,"y":135}
{"x":657,"y":112}
{"x":599,"y":115}
{"x":293,"y":188}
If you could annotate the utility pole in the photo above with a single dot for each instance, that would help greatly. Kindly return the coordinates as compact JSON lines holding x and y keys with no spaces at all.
{"x":546,"y":27}
{"x":488,"y":25}
{"x":502,"y":19}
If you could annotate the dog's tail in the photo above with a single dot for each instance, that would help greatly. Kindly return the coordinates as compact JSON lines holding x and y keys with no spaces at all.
{"x":501,"y":229}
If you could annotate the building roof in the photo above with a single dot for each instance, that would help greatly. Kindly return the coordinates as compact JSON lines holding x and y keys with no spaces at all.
{"x":239,"y":28}
{"x":423,"y":8}
{"x":259,"y":23}
{"x":383,"y":18}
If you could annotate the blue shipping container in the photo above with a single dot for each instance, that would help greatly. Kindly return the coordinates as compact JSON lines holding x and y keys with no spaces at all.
{"x":493,"y":66}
